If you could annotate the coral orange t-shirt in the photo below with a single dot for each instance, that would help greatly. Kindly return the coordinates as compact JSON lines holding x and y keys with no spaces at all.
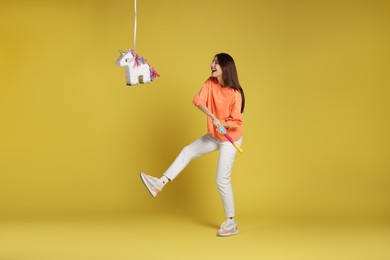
{"x":225,"y":104}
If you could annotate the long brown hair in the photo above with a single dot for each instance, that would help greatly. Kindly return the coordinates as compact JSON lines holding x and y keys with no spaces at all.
{"x":229,"y":75}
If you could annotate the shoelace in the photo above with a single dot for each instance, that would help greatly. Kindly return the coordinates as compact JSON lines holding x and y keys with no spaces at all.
{"x":224,"y":225}
{"x":153,"y":182}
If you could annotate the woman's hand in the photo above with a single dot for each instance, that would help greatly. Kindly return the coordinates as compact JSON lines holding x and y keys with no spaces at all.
{"x":216,"y":122}
{"x":218,"y":126}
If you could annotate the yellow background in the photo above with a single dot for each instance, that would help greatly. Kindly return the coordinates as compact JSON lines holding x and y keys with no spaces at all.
{"x":316,"y":137}
{"x":74,"y":137}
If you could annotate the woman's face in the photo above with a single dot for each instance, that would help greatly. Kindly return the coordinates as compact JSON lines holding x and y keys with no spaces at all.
{"x":216,"y":70}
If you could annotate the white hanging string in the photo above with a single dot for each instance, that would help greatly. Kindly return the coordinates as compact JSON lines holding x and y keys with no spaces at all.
{"x":135,"y":23}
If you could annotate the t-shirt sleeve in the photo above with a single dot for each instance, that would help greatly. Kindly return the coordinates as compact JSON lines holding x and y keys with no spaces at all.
{"x":202,"y":95}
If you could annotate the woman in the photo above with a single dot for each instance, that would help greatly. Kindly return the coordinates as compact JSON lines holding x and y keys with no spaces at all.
{"x":222,"y":99}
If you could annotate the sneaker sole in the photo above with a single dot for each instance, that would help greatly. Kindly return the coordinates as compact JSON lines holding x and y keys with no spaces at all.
{"x":146,"y":185}
{"x":228,"y":234}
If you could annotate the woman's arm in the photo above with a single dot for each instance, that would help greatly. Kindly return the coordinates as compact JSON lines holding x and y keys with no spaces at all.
{"x":215,"y":120}
{"x":204,"y":109}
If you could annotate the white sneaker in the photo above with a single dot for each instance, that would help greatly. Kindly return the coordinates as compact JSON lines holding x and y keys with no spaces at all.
{"x":228,"y":228}
{"x":151,"y":183}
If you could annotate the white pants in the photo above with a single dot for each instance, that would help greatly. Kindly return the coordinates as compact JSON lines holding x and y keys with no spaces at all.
{"x":207,"y":144}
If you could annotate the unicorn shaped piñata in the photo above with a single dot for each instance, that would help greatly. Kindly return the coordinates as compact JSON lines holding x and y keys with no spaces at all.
{"x":137,"y":70}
